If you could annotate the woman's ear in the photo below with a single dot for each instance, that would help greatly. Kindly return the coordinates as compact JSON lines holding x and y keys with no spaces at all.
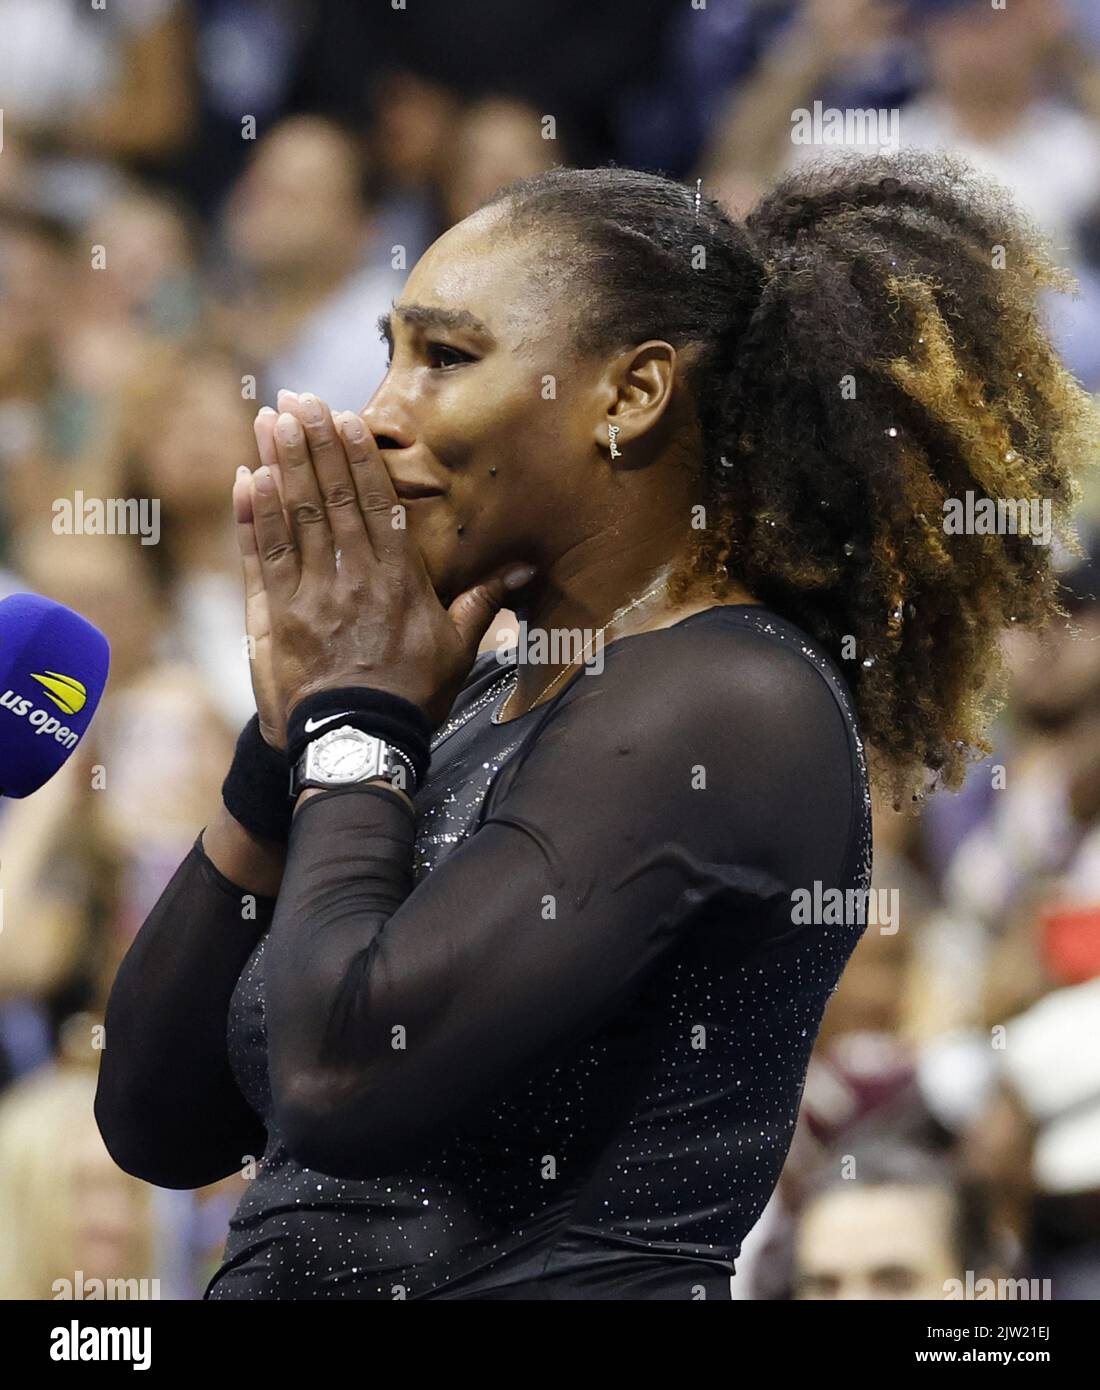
{"x":638,"y":389}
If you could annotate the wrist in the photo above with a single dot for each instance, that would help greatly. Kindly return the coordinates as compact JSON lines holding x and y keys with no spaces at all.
{"x":253,"y":864}
{"x":256,"y":790}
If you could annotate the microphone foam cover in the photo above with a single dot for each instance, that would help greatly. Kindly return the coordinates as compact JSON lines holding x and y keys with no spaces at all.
{"x":53,"y":667}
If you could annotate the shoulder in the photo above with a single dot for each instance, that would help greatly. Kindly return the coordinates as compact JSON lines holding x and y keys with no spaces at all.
{"x":730,"y":721}
{"x":737,"y":691}
{"x":742,"y":666}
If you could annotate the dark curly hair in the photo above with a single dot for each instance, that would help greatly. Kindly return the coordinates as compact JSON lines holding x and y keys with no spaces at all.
{"x":867,"y":346}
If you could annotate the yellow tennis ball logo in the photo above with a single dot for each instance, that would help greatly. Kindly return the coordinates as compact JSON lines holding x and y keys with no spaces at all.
{"x":67,"y":693}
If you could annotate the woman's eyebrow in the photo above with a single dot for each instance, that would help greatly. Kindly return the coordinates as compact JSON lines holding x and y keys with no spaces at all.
{"x":426,"y":316}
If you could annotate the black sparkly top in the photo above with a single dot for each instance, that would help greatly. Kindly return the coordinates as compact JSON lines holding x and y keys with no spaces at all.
{"x":548,"y":1039}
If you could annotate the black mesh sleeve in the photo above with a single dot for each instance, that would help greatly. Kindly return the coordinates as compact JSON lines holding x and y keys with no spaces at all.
{"x":167,"y":1105}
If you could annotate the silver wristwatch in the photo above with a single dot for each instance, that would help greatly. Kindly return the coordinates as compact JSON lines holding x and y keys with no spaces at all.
{"x":347,"y":755}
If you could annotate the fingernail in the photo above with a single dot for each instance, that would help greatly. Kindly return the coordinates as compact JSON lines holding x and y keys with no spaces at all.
{"x":352,"y":427}
{"x":265,"y":481}
{"x":265,"y":410}
{"x":288,"y":429}
{"x":283,"y":397}
{"x":311,"y":410}
{"x":518,"y":575}
{"x":243,"y":469}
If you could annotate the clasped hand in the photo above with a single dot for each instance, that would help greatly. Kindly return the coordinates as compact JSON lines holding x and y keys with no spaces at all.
{"x":336,"y":591}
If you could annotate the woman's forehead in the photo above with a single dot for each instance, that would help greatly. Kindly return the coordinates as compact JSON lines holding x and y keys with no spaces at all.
{"x":478,"y":277}
{"x":474,"y":257}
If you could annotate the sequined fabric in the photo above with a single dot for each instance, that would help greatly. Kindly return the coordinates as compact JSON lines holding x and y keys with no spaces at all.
{"x":634,"y":1167}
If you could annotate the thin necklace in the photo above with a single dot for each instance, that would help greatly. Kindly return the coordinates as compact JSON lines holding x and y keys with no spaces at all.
{"x":498,"y":716}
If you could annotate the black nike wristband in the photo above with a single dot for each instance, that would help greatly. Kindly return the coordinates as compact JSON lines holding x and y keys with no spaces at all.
{"x":256,"y":790}
{"x":390,"y":717}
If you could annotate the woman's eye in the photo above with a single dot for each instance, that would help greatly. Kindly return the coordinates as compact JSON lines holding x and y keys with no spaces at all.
{"x":440,"y":355}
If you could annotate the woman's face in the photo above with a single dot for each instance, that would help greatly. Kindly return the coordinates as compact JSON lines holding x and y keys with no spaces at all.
{"x":486,"y":402}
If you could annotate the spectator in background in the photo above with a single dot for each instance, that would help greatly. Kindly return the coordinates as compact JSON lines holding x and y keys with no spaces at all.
{"x":985,"y":85}
{"x":988,"y":87}
{"x":992,"y":97}
{"x":1036,"y":1142}
{"x":133,"y":291}
{"x":66,"y":1211}
{"x":84,"y":313}
{"x":149,"y":276}
{"x":184,"y":433}
{"x":410,"y":139}
{"x":93,"y":89}
{"x":312,"y":277}
{"x":165,"y":748}
{"x":495,"y":141}
{"x":1022,"y":898}
{"x":35,"y":285}
{"x":841,"y":52}
{"x":888,"y":1223}
{"x":1000,"y":94}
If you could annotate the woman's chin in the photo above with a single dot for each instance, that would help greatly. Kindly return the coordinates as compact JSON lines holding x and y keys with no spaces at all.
{"x":445,"y":572}
{"x":451,"y":564}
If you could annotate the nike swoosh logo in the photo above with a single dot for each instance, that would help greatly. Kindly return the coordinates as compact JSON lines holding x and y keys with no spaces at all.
{"x":312,"y":724}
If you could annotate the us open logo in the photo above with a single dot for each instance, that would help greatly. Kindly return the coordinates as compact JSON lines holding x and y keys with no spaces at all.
{"x":67,"y":693}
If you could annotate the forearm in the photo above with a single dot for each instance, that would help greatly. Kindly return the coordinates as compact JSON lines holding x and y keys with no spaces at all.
{"x":167,"y":1105}
{"x":349,"y":869}
{"x":255,"y":864}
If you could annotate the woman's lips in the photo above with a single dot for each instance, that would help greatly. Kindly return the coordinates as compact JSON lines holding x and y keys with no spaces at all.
{"x":412,"y":492}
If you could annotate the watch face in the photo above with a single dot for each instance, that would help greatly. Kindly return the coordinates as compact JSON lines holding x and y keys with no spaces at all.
{"x":346,"y":757}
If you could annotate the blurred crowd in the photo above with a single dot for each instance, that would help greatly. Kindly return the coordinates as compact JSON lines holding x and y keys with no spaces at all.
{"x":203,"y":201}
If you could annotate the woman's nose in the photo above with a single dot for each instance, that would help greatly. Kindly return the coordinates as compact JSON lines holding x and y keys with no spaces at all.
{"x":389,"y":425}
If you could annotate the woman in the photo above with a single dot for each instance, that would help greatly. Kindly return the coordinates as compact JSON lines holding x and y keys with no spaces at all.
{"x":539,"y":1030}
